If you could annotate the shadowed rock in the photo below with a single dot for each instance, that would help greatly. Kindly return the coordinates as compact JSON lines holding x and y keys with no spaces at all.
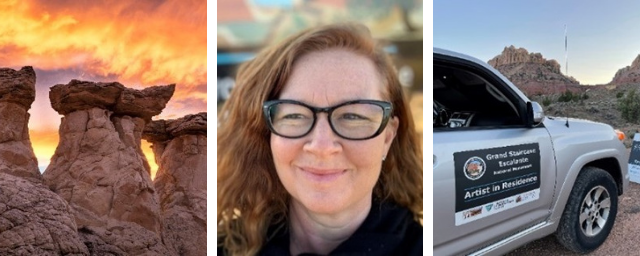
{"x":18,"y":86}
{"x":180,"y":147}
{"x":99,"y":168}
{"x":35,"y":221}
{"x":17,"y":93}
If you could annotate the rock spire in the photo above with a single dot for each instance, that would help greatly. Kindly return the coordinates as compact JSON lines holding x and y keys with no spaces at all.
{"x":180,"y":147}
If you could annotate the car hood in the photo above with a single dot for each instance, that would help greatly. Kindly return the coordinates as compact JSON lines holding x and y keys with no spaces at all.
{"x":580,"y":130}
{"x":552,"y":121}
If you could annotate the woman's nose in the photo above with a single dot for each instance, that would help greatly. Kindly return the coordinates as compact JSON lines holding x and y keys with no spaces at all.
{"x":322,"y":140}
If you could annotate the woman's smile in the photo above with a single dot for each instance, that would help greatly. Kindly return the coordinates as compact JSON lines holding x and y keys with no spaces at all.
{"x":322,"y":175}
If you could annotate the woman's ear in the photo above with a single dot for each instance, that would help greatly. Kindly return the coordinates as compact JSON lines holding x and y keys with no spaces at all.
{"x":390,"y":133}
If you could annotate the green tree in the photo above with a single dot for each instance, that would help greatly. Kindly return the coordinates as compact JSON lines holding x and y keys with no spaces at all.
{"x":566,"y":96}
{"x":629,"y":107}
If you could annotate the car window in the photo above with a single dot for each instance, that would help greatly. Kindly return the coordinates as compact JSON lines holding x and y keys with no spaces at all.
{"x":463,"y":99}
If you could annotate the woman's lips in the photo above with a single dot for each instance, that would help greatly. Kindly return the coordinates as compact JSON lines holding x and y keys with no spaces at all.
{"x":322,"y":175}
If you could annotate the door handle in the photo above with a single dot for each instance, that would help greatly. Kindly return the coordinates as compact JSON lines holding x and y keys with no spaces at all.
{"x":435,"y":161}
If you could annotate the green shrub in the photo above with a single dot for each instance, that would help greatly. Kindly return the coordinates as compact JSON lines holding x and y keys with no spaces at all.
{"x":619,"y":95}
{"x":566,"y":96}
{"x":546,"y":101}
{"x":629,"y":107}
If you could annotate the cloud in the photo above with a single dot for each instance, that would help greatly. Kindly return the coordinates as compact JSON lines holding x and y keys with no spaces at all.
{"x":180,"y":108}
{"x":137,"y":43}
{"x":43,"y":115}
{"x":142,"y":42}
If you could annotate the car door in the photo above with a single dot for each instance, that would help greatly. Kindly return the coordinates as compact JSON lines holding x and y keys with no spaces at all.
{"x":489,"y":182}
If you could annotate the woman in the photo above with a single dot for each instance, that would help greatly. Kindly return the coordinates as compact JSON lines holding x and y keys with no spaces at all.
{"x":317,"y":152}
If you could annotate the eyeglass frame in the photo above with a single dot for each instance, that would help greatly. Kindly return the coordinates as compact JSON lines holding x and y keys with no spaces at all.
{"x":387,"y":109}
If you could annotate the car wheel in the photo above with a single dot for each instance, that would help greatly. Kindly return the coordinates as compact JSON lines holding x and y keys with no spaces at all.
{"x":590,"y":211}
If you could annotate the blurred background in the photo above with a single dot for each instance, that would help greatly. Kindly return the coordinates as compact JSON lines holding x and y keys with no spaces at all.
{"x":246,"y":26}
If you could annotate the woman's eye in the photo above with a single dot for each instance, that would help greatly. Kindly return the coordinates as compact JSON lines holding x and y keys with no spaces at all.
{"x":294,"y":116}
{"x":352,"y":116}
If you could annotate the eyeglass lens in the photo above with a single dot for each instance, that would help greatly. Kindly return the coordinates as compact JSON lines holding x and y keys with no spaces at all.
{"x":358,"y":120}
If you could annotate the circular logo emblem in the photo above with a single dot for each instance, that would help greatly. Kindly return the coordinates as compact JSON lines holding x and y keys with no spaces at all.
{"x":474,"y":168}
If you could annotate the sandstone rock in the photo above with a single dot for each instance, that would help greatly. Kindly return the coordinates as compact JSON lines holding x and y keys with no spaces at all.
{"x":162,"y":130}
{"x":180,"y":147}
{"x":18,"y":86}
{"x":99,"y":168}
{"x":17,"y":93}
{"x":82,"y":95}
{"x":628,"y":74}
{"x":532,"y":73}
{"x":35,"y":221}
{"x":137,"y":103}
{"x":130,"y":239}
{"x":511,"y":55}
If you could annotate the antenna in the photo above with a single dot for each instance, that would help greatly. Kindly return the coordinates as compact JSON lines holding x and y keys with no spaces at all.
{"x":566,"y":62}
{"x":566,"y":52}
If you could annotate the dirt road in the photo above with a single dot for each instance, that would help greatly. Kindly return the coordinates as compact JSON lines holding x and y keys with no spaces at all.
{"x":623,"y":240}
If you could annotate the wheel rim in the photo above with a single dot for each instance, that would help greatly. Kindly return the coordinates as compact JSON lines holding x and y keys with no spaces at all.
{"x":594,"y":211}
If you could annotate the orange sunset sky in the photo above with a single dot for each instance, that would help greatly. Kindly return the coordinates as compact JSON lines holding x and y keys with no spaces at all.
{"x":137,"y":43}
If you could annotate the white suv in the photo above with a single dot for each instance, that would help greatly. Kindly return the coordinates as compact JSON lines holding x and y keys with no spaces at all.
{"x":505,"y":175}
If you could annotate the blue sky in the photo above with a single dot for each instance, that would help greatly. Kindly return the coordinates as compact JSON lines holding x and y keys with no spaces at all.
{"x":603,"y":36}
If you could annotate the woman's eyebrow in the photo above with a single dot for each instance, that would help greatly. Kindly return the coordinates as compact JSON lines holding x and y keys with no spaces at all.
{"x":331,"y":105}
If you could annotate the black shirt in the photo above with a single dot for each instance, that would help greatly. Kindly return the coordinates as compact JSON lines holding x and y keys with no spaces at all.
{"x":388,"y":230}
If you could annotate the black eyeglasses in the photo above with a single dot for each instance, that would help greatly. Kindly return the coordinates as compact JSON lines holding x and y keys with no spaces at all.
{"x":353,"y":120}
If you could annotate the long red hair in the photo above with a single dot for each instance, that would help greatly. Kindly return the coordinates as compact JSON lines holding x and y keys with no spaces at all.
{"x":251,"y":198}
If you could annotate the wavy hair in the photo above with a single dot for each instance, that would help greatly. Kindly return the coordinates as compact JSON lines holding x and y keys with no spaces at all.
{"x":251,"y":198}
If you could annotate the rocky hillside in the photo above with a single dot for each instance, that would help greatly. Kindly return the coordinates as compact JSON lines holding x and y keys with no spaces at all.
{"x":96,"y":197}
{"x":543,"y":82}
{"x":533,"y":74}
{"x":628,"y":74}
{"x":600,"y":105}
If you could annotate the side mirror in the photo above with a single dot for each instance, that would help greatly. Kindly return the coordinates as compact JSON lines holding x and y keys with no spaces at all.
{"x":535,"y":114}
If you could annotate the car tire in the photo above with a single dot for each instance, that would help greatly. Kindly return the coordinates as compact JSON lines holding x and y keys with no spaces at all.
{"x":590,"y":211}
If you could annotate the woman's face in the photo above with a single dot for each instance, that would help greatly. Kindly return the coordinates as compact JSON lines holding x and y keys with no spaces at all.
{"x":322,"y":171}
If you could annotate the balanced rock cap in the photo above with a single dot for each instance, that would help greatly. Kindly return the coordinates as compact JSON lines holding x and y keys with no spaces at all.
{"x":82,"y":95}
{"x":18,"y":86}
{"x":162,"y":130}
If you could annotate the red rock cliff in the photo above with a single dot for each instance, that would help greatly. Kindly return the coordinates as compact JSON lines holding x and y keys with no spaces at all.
{"x":628,"y":74}
{"x":532,"y":73}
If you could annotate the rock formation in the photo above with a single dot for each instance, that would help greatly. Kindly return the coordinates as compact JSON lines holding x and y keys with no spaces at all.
{"x":99,"y":168}
{"x":82,"y":95}
{"x":180,"y":148}
{"x":532,"y":73}
{"x":17,"y":93}
{"x":35,"y":221}
{"x":628,"y":74}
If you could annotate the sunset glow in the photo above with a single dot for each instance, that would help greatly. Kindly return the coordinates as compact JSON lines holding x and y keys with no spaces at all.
{"x":47,"y":141}
{"x":137,"y":43}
